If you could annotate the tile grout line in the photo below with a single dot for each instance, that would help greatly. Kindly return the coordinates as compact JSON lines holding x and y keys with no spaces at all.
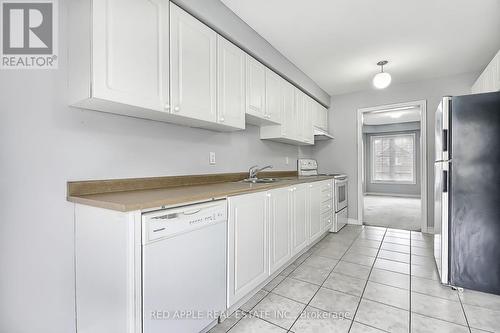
{"x":367,"y":279}
{"x":321,"y":286}
{"x":268,"y":292}
{"x":463,"y":310}
{"x":348,"y":246}
{"x":306,"y":305}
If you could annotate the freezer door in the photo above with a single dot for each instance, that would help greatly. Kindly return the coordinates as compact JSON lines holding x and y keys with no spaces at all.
{"x":442,"y":138}
{"x":475,"y":192}
{"x":441,"y":225}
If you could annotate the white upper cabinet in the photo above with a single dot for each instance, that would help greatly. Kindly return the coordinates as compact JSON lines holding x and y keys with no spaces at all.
{"x":305,"y":112}
{"x":320,"y":116}
{"x":298,"y":111}
{"x":151,"y":59}
{"x":256,"y":92}
{"x":230,"y":84}
{"x":274,"y":96}
{"x":307,"y":120}
{"x":279,"y":228}
{"x":489,"y":80}
{"x":112,"y":65}
{"x":193,"y":66}
{"x":290,"y":115}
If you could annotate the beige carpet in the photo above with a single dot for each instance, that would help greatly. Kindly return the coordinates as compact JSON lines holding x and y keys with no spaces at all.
{"x":392,"y":212}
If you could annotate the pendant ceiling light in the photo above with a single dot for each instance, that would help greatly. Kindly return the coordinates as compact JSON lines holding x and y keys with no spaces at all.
{"x":382,"y":80}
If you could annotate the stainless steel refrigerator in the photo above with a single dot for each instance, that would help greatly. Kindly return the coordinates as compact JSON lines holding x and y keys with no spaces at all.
{"x":467,"y":192}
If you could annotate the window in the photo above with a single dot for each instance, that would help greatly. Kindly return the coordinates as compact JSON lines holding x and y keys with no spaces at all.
{"x":393,"y":158}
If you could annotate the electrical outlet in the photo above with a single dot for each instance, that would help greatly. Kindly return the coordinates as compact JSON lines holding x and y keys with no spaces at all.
{"x":211,"y":158}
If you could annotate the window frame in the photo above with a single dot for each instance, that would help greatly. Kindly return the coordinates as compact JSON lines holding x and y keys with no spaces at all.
{"x":372,"y":160}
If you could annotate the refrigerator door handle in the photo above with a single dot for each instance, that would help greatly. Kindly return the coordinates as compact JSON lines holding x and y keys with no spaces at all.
{"x":445,"y":140}
{"x":445,"y":181}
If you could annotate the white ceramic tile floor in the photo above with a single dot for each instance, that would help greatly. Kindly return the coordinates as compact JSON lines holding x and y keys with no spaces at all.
{"x":365,"y":279}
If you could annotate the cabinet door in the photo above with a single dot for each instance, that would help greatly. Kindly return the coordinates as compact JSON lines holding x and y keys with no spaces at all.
{"x":128,"y":68}
{"x":274,"y":96}
{"x":300,"y":216}
{"x":315,"y":230}
{"x":247,"y":244}
{"x":256,"y":88}
{"x":307,"y":126}
{"x":290,"y":117}
{"x":279,"y":228}
{"x":230,"y":84}
{"x":324,"y":112}
{"x":321,"y":116}
{"x":192,"y":63}
{"x":299,"y":109}
{"x":317,"y":119}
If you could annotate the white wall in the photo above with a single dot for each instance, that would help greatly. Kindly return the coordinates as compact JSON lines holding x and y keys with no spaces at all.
{"x":43,"y":144}
{"x":340,"y":154}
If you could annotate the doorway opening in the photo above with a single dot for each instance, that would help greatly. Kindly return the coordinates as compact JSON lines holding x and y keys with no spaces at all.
{"x":392,"y":172}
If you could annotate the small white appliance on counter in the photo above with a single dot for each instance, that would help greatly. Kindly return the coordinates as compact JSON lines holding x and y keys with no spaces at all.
{"x":184,"y":267}
{"x":309,"y":167}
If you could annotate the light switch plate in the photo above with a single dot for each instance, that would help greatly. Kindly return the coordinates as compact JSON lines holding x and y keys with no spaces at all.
{"x":211,"y":158}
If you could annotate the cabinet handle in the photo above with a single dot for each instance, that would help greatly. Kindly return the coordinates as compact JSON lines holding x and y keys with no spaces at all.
{"x":167,"y":107}
{"x":177,"y":108}
{"x":221,"y":119}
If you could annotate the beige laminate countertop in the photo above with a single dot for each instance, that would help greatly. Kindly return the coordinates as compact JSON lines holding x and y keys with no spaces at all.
{"x":126,"y":201}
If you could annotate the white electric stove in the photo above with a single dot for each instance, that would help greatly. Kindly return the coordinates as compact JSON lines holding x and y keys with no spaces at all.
{"x":309,"y":167}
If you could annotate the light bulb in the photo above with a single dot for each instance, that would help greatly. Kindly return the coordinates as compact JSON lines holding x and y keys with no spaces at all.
{"x":382,"y":80}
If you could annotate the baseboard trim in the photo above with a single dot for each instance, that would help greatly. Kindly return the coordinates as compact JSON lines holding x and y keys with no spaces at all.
{"x":393,"y":195}
{"x":353,"y":221}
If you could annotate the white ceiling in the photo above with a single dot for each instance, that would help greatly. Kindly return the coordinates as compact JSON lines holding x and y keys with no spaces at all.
{"x":338,"y":42}
{"x":391,"y":116}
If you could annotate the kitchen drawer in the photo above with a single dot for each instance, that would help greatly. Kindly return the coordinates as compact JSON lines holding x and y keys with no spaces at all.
{"x":326,"y":206}
{"x":326,"y":220}
{"x":326,"y":198}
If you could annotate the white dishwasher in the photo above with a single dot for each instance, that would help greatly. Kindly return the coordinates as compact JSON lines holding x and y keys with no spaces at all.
{"x":184,"y":267}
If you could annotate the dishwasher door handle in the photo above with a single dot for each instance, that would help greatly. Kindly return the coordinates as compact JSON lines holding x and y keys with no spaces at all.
{"x":192,"y":212}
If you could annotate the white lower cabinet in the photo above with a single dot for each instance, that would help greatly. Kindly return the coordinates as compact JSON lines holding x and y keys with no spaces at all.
{"x":267,"y":229}
{"x":279,"y":211}
{"x":247,"y":244}
{"x":300,"y":218}
{"x":315,"y":227}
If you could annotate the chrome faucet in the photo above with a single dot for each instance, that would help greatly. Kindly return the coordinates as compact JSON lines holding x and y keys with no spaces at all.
{"x":254,"y":170}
